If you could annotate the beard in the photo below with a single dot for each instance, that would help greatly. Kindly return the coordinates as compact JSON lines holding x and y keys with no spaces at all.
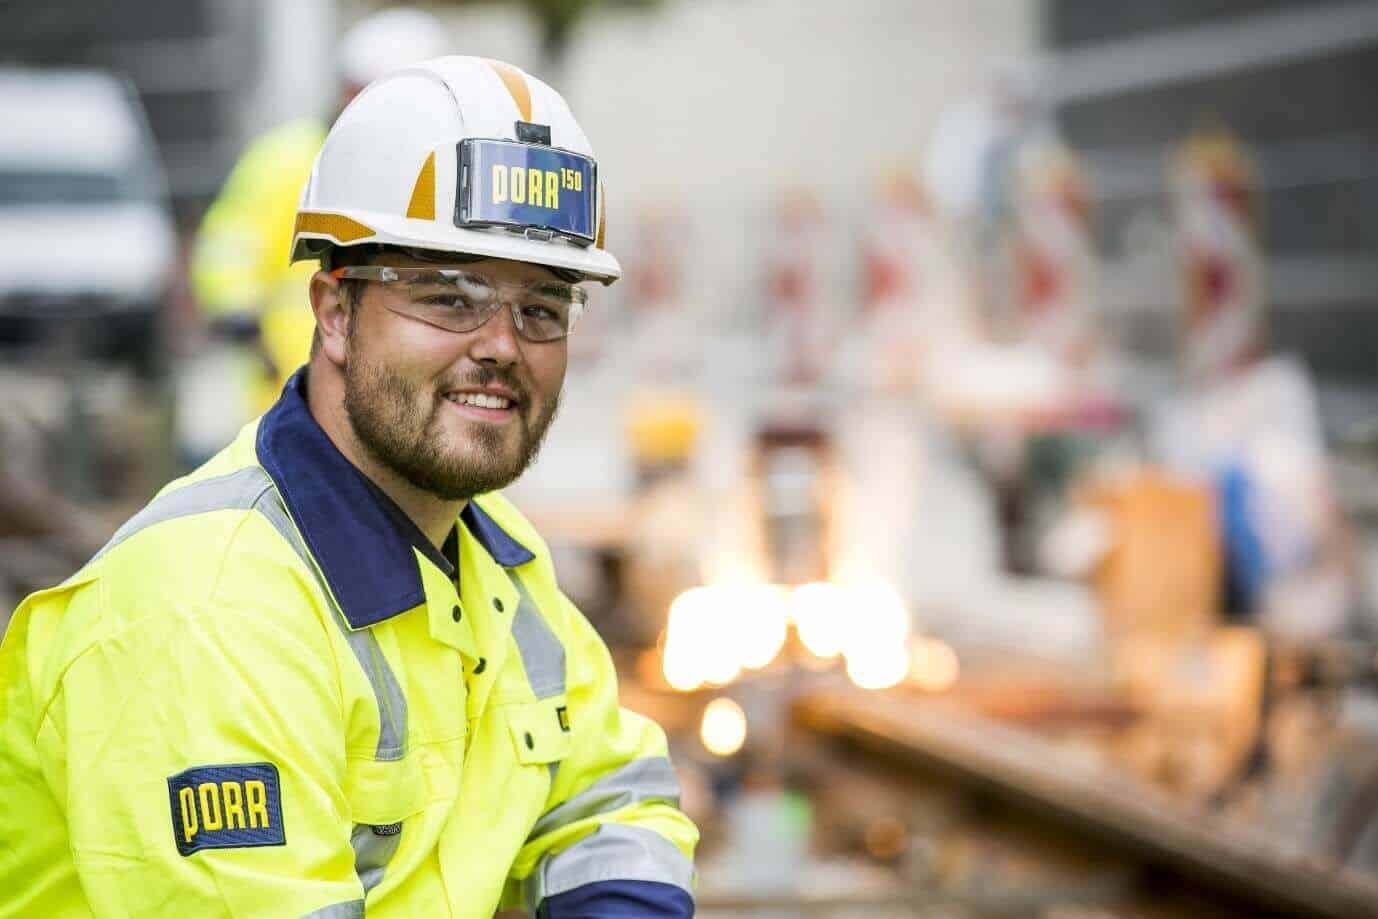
{"x":408,"y":436}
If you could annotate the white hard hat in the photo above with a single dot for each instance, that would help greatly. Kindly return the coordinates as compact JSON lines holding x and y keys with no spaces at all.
{"x":459,"y":154}
{"x":387,"y":40}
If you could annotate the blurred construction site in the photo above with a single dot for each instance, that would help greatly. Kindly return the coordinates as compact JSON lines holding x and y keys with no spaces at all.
{"x":975,"y":469}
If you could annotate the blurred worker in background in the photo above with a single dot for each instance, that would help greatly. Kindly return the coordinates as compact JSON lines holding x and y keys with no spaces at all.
{"x":1248,"y":424}
{"x":331,"y":671}
{"x":250,"y":295}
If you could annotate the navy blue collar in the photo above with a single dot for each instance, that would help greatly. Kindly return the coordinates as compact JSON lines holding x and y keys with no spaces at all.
{"x":351,"y":527}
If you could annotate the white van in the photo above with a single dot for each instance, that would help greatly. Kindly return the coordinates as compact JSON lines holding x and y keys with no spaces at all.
{"x":86,"y":234}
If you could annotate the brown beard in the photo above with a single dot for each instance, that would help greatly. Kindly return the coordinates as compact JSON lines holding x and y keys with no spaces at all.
{"x":388,"y":420}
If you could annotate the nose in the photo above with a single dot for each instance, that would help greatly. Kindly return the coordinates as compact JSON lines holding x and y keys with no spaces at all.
{"x":496,"y":341}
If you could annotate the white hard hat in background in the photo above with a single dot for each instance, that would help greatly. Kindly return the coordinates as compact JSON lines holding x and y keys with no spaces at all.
{"x":388,"y":40}
{"x":459,"y":154}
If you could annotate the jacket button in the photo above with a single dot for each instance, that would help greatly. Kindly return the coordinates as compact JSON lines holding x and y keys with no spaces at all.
{"x":482,"y":663}
{"x":497,"y":604}
{"x":530,"y":744}
{"x":456,"y":614}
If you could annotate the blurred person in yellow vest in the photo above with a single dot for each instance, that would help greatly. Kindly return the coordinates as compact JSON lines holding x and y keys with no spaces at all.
{"x":240,"y":274}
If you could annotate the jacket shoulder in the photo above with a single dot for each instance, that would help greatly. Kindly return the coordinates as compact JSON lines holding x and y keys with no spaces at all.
{"x":212,"y":537}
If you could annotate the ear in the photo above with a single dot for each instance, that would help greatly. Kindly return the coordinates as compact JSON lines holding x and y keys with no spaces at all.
{"x":332,"y":316}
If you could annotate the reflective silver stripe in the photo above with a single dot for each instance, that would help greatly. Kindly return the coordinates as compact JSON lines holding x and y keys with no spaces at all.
{"x":350,"y":909}
{"x":372,"y":852}
{"x":392,"y":705}
{"x":612,"y":853}
{"x":543,"y":655}
{"x":238,"y":490}
{"x":649,"y":779}
{"x":252,"y":488}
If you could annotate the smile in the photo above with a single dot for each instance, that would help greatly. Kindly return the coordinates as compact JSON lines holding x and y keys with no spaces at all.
{"x":483,"y":406}
{"x":481,"y":400}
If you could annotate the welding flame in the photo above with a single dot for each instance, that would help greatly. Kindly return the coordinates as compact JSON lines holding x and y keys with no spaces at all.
{"x":716,"y":632}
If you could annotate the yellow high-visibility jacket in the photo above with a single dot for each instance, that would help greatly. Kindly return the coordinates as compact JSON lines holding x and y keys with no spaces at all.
{"x":267,"y":696}
{"x":239,"y":263}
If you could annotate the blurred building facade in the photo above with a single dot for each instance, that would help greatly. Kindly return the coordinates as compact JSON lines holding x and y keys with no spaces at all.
{"x":1292,"y":80}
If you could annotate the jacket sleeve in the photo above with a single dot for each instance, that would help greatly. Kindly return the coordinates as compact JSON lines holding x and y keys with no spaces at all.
{"x":196,"y":755}
{"x":612,"y":841}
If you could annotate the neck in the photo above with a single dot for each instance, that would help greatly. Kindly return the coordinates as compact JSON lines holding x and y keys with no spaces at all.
{"x":325,"y":398}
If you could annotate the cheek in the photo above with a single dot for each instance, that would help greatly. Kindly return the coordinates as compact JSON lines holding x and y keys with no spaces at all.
{"x":409,"y":349}
{"x":547,"y":367}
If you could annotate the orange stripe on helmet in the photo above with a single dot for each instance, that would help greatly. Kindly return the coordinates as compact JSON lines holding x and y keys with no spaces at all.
{"x":422,"y":204}
{"x":515,"y":81}
{"x":602,"y":218}
{"x":337,"y":226}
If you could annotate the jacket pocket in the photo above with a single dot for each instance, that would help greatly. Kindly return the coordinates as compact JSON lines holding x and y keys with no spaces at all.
{"x":539,"y":730}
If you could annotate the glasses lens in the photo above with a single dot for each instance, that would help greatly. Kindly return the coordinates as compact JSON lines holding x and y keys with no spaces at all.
{"x":455,"y":300}
{"x":549,"y":311}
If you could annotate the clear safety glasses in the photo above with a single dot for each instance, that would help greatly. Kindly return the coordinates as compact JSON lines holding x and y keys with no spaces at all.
{"x":460,"y":300}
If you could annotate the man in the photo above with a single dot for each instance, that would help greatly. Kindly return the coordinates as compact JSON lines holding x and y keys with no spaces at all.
{"x":331,"y":669}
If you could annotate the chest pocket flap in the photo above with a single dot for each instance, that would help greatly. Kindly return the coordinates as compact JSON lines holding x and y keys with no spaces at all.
{"x":539,"y":730}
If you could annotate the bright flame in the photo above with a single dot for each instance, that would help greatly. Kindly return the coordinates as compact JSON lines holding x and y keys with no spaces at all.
{"x":761,"y":621}
{"x":723,"y":730}
{"x":680,"y":668}
{"x":876,"y":615}
{"x":819,"y":612}
{"x":713,"y":632}
{"x":877,"y":665}
{"x":684,"y":662}
{"x":876,"y":641}
{"x":933,"y":664}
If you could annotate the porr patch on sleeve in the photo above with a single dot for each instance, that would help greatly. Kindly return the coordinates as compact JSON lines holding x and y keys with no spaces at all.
{"x":232,"y":806}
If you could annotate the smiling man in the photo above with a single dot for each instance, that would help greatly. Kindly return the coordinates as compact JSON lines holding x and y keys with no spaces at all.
{"x":331,"y":670}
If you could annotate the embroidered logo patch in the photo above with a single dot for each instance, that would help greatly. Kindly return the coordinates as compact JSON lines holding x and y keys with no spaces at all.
{"x":226,"y":807}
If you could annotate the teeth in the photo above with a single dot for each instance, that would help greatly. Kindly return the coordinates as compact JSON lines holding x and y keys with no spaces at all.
{"x":479,"y":399}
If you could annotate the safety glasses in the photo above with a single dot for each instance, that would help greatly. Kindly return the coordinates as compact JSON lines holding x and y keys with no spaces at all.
{"x":460,"y":300}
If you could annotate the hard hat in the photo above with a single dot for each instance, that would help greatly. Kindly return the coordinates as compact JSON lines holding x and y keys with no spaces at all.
{"x":388,"y":40}
{"x":459,"y":154}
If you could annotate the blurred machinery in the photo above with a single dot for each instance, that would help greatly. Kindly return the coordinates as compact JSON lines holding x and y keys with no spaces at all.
{"x":793,"y":474}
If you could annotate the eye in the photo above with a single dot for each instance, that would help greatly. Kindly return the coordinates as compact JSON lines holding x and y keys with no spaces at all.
{"x":544,"y":312}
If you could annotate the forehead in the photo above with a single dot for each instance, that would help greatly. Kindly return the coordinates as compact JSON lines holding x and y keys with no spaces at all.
{"x":498,"y":268}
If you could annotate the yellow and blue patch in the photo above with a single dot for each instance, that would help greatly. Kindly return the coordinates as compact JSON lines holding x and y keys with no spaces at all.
{"x":226,"y":807}
{"x":526,"y":186}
